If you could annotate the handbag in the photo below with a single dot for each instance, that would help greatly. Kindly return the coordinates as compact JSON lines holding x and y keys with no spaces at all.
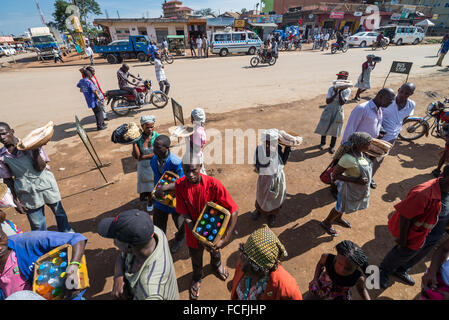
{"x":325,"y":177}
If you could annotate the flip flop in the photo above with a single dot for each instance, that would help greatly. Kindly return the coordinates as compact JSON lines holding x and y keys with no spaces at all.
{"x":329,"y":230}
{"x":223,"y":274}
{"x":194,"y":292}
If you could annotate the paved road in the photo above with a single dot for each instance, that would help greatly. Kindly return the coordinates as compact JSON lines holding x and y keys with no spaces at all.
{"x":36,"y":95}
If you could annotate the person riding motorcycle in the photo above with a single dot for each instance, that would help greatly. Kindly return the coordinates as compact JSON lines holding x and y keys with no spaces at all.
{"x":380,"y":38}
{"x":123,"y":82}
{"x":266,"y":52}
{"x":274,"y":48}
{"x":340,"y":39}
{"x":152,"y":49}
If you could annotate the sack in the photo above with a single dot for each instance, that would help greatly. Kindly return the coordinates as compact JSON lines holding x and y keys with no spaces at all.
{"x":325,"y":177}
{"x":126,"y":134}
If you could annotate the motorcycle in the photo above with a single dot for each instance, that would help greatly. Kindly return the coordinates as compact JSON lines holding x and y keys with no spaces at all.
{"x":335,"y":47}
{"x":288,"y":45}
{"x":261,"y":58}
{"x":123,"y":101}
{"x":165,"y":57}
{"x":376,"y":45}
{"x":416,"y":127}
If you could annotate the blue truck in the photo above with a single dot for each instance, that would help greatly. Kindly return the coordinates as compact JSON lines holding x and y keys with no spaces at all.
{"x":117,"y":51}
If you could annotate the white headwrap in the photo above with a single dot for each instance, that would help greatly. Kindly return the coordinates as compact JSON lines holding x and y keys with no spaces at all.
{"x":199,"y":115}
{"x":146,"y":119}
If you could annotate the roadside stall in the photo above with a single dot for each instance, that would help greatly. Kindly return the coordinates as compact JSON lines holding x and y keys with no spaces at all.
{"x":176,"y":45}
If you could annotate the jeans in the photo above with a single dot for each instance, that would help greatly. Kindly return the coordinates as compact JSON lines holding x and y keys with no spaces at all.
{"x":160,"y":219}
{"x":403,"y":259}
{"x":164,"y":85}
{"x":99,"y":118}
{"x":103,"y":110}
{"x":197,"y":261}
{"x":36,"y":217}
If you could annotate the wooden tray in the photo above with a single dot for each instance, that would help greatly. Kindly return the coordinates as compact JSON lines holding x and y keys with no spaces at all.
{"x":83,"y":278}
{"x":199,"y":229}
{"x":170,"y":199}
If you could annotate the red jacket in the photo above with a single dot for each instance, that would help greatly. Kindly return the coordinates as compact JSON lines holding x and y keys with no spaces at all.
{"x":422,"y":206}
{"x":280,"y":286}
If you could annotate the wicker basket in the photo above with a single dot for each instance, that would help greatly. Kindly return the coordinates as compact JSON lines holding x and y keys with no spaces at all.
{"x":216,"y":213}
{"x":37,"y":144}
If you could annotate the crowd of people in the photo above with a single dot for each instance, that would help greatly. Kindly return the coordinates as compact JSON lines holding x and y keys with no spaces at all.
{"x":144,"y":268}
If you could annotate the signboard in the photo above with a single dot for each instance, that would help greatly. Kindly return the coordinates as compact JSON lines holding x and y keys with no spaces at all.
{"x":337,"y":15}
{"x":400,"y":67}
{"x":90,"y":148}
{"x":273,"y":18}
{"x":435,"y":16}
{"x":177,"y":112}
{"x":358,"y":14}
{"x":405,"y":14}
{"x":395,"y":16}
{"x":239,"y":23}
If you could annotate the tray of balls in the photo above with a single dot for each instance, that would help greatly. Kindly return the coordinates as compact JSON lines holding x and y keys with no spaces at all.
{"x":211,"y":224}
{"x":169,"y":196}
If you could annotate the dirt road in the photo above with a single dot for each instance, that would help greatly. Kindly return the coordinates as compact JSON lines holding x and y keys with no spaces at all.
{"x":308,"y":201}
{"x":48,"y":91}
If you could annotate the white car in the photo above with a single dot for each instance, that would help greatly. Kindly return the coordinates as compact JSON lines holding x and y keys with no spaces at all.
{"x":7,"y":51}
{"x":364,"y":39}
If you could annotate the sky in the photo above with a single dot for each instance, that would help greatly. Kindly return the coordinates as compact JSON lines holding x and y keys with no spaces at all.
{"x":16,"y":16}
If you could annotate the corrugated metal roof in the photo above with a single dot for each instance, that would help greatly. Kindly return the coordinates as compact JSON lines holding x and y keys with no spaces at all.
{"x":264,"y":25}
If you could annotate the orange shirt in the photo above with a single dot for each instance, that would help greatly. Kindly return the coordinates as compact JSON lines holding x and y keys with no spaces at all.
{"x":280,"y":286}
{"x":423,"y":206}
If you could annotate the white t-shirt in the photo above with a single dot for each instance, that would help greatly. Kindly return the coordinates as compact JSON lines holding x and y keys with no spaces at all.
{"x":160,"y":73}
{"x":326,"y":37}
{"x":345,"y":93}
{"x":393,"y":118}
{"x":89,"y":51}
{"x":199,"y":42}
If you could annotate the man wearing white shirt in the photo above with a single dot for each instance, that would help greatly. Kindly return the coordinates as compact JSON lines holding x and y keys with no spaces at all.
{"x":160,"y":74}
{"x":199,"y":44}
{"x":394,"y":115}
{"x":90,"y":55}
{"x":325,"y":40}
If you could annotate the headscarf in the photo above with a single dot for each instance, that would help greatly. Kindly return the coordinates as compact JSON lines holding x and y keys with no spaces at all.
{"x":264,"y":248}
{"x":146,"y":119}
{"x":372,"y":56}
{"x":199,"y":115}
{"x":355,"y":140}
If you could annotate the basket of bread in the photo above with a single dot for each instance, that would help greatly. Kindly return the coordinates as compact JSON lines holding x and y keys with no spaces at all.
{"x":37,"y":138}
{"x":342,"y":84}
{"x":379,"y":148}
{"x":289,"y":139}
{"x":127,"y":133}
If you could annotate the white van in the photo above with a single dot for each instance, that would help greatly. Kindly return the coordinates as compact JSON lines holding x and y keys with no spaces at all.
{"x":224,"y":43}
{"x":403,"y":34}
{"x":6,"y":50}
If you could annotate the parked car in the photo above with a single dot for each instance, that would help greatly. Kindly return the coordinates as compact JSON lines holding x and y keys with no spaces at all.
{"x":364,"y":39}
{"x":403,"y":34}
{"x":224,"y":43}
{"x":6,"y":51}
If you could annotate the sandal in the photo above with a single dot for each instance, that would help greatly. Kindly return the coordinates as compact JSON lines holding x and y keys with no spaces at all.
{"x":222,"y":273}
{"x":194,"y":292}
{"x":344,"y":223}
{"x":329,"y":230}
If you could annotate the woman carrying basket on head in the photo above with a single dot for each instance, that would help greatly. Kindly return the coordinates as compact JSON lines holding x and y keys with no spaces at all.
{"x":143,"y":152}
{"x":270,"y":160}
{"x":352,"y":175}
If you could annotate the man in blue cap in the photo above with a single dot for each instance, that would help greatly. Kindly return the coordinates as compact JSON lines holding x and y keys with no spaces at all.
{"x":144,"y":269}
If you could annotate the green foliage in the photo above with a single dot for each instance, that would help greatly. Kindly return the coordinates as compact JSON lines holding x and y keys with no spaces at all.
{"x":86,"y":7}
{"x":204,"y":12}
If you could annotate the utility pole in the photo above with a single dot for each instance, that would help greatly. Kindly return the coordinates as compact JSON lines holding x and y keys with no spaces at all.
{"x":40,"y":13}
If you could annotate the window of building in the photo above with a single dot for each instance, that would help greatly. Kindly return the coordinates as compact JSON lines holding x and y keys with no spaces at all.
{"x":142,"y":31}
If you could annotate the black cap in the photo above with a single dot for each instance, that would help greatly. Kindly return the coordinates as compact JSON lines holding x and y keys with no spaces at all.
{"x":133,"y":226}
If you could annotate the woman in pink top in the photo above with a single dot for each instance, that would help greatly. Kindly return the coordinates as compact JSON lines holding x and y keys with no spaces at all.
{"x":198,"y":139}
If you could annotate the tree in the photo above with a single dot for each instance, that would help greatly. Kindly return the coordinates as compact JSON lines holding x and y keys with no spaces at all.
{"x":244,"y":10}
{"x":205,"y":12}
{"x":86,"y":7}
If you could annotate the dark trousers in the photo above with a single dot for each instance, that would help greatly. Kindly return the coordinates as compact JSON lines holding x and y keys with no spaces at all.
{"x":206,"y":52}
{"x":196,"y":256}
{"x":333,"y":141}
{"x":160,"y":219}
{"x":164,"y":85}
{"x":99,"y":117}
{"x":192,"y":51}
{"x":58,"y":58}
{"x":403,"y":259}
{"x":133,"y":92}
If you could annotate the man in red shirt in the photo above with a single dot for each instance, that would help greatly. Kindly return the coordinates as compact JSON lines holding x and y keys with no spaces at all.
{"x":192,"y":193}
{"x":417,"y":225}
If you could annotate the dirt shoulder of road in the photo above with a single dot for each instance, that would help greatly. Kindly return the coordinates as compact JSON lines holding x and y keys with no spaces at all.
{"x":308,"y":200}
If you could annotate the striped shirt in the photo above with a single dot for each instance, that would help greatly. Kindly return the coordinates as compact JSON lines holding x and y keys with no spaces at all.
{"x":156,"y":279}
{"x":122,"y":78}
